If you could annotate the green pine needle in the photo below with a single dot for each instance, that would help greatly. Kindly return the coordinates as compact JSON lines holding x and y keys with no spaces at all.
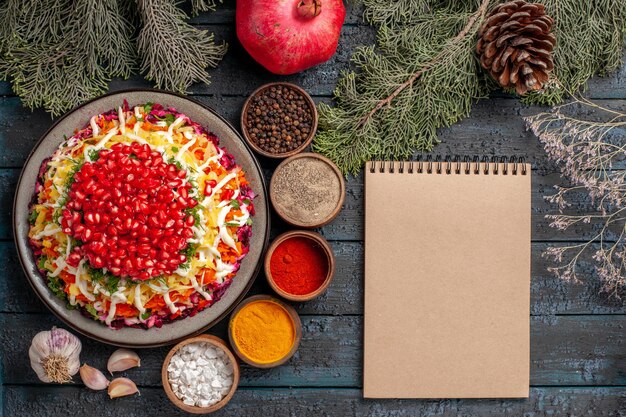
{"x":590,"y":40}
{"x":60,"y":53}
{"x":198,"y":6}
{"x":107,"y":36}
{"x":422,"y":76}
{"x":174,"y":53}
{"x":383,"y":111}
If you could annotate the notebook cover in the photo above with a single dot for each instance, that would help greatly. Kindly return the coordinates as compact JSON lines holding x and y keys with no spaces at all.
{"x":447,"y":284}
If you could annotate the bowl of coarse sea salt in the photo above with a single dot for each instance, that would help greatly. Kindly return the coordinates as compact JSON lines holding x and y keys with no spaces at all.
{"x":200,"y":374}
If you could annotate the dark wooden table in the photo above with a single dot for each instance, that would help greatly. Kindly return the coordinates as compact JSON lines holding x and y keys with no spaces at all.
{"x":578,"y":363}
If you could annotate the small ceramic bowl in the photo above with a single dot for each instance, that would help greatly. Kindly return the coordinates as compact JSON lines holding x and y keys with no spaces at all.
{"x":297,"y":324}
{"x":285,"y":201}
{"x":257,"y":148}
{"x":315,"y":239}
{"x":203,"y":338}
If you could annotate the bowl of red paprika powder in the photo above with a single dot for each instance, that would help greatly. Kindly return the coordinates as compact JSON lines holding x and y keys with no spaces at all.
{"x":299,"y":265}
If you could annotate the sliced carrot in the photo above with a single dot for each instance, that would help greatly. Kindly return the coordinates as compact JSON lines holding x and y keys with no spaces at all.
{"x":178,"y":296}
{"x":82,"y":298}
{"x":156,"y":303}
{"x":67,"y":277}
{"x":198,"y":153}
{"x":126,"y":310}
{"x":207,"y":276}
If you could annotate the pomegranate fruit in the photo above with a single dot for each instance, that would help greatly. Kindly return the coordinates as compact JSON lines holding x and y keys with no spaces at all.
{"x":128,"y":210}
{"x":289,"y":36}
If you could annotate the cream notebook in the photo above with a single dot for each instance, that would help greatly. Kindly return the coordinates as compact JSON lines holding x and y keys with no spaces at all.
{"x":447,"y":279}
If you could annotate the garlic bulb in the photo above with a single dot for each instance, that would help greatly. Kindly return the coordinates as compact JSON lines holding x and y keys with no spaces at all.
{"x":54,"y":355}
{"x":93,"y":378}
{"x":121,"y":387}
{"x":123,"y":359}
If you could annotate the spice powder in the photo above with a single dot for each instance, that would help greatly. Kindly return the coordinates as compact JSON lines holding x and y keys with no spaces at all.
{"x":299,"y":266}
{"x":263,"y":331}
{"x":306,"y":190}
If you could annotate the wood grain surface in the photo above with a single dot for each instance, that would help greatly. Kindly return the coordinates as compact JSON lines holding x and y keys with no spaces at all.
{"x":578,"y":352}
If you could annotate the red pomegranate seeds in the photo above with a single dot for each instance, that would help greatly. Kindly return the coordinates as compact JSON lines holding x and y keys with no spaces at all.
{"x":128,"y":210}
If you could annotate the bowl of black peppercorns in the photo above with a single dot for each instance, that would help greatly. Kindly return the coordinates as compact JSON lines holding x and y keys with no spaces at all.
{"x":279,"y":120}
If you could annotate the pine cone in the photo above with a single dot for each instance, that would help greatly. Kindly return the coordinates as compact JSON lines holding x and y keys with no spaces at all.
{"x":515,"y":44}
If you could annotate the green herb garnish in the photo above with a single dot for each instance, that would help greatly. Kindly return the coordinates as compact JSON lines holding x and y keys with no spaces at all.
{"x":109,"y":281}
{"x":78,"y":164}
{"x":92,"y":310}
{"x":94,"y":155}
{"x":189,"y":252}
{"x":235,"y":204}
{"x":32,"y":217}
{"x":56,"y":284}
{"x":41,"y":262}
{"x":173,"y":160}
{"x":195,"y":212}
{"x":169,"y":118}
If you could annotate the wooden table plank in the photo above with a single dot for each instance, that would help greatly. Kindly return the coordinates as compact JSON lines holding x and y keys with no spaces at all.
{"x":55,"y":401}
{"x":565,"y":350}
{"x":349,"y":224}
{"x":345,"y":295}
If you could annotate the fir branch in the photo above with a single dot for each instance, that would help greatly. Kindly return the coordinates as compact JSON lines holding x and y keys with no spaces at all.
{"x":32,"y":21}
{"x":586,"y":151}
{"x":590,"y":40}
{"x":107,"y":36}
{"x":392,"y":13}
{"x":54,"y":76}
{"x":423,"y":76}
{"x":425,"y":67}
{"x":59,"y":54}
{"x":128,"y":8}
{"x":173,"y":53}
{"x":198,"y":6}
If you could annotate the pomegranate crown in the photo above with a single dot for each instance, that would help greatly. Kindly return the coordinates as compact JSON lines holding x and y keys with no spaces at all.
{"x":308,"y":9}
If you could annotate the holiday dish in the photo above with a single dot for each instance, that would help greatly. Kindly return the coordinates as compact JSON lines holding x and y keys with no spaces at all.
{"x":141,"y":218}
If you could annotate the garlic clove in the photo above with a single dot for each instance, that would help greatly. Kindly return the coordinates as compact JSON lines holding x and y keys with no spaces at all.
{"x":93,"y":378}
{"x":121,"y":387}
{"x":123,"y":359}
{"x":54,"y":355}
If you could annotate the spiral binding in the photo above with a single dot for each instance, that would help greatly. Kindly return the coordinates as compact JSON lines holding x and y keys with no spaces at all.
{"x":454,"y":164}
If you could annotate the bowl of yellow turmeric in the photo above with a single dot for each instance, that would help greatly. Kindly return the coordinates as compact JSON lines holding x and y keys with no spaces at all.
{"x":264,"y":332}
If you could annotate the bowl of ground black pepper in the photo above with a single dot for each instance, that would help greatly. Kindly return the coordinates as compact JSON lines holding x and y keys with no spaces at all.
{"x":307,"y":190}
{"x":279,"y":120}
